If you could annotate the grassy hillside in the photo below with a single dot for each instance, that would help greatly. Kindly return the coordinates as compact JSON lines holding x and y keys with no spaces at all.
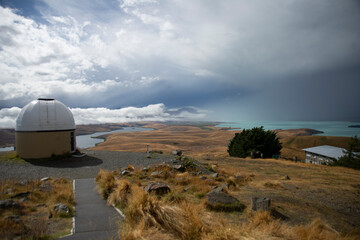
{"x":317,"y":202}
{"x":292,"y":146}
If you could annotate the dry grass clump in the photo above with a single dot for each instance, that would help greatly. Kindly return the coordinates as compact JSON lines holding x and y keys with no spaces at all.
{"x":34,"y":216}
{"x":106,"y":182}
{"x":175,"y":217}
{"x":180,"y":221}
{"x":318,"y":230}
{"x":120,"y":193}
{"x":262,"y":226}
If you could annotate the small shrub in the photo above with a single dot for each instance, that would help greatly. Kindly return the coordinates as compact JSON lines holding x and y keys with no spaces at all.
{"x":256,"y":140}
{"x":188,"y":163}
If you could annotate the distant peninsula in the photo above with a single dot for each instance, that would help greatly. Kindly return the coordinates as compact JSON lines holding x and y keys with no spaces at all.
{"x":354,"y":126}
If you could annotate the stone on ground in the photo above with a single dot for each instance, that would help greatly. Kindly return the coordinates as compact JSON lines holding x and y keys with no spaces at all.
{"x":262,"y":204}
{"x":158,"y":188}
{"x":220,"y":201}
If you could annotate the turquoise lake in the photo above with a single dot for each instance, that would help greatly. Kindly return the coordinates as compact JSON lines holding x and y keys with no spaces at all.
{"x":330,"y":128}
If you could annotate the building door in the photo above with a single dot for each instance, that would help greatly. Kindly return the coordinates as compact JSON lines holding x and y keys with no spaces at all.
{"x":72,"y":141}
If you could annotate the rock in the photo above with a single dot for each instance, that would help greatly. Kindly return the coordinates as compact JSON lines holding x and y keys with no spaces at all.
{"x":45,"y":187}
{"x":157,"y":187}
{"x":218,"y":189}
{"x":9,"y":203}
{"x":202,"y":177}
{"x":21,"y":195}
{"x":287,"y":177}
{"x":278,"y":215}
{"x":45,"y":179}
{"x":177,"y":152}
{"x":145,"y":169}
{"x":178,"y":167}
{"x":61,"y":208}
{"x":220,"y":201}
{"x":224,"y":186}
{"x":156,"y":174}
{"x":125,"y":172}
{"x":260,"y":204}
{"x":214,"y":175}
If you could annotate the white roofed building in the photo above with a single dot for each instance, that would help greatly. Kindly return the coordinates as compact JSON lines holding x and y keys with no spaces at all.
{"x":324,"y":154}
{"x":45,"y":127}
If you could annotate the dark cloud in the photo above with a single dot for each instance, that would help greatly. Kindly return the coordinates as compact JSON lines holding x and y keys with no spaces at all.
{"x":242,"y":59}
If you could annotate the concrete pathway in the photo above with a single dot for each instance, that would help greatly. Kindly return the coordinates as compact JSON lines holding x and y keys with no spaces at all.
{"x":93,"y":218}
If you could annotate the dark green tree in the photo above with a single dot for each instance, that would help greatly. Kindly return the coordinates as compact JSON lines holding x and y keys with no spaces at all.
{"x":351,"y":156}
{"x":254,"y":140}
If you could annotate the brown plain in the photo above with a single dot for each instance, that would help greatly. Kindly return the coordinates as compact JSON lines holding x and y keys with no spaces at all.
{"x":201,"y":141}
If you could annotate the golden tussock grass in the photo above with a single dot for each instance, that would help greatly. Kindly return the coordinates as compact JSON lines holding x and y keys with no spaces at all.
{"x":32,"y":220}
{"x":106,"y":182}
{"x":181,"y":220}
{"x":120,"y":193}
{"x":151,"y":217}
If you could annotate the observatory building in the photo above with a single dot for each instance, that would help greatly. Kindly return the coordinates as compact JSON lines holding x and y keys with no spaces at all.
{"x":45,"y":127}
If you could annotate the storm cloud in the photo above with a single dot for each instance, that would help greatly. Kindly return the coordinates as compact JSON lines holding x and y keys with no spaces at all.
{"x":241,"y":60}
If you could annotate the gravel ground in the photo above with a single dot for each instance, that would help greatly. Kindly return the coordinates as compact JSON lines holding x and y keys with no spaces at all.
{"x":75,"y":168}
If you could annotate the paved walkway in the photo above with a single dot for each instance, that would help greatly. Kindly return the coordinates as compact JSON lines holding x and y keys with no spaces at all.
{"x":93,"y":218}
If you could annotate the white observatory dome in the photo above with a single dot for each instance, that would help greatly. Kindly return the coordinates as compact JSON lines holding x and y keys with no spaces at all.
{"x":45,"y":114}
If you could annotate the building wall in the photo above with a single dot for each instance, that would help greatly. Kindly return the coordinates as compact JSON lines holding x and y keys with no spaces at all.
{"x":43,"y":144}
{"x":317,"y":159}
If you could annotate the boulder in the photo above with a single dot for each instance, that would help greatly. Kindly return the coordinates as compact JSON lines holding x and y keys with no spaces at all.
{"x":61,"y":208}
{"x":9,"y":203}
{"x":21,"y":195}
{"x":202,"y":177}
{"x":177,"y":152}
{"x":260,"y":204}
{"x":287,"y":177}
{"x":220,"y":201}
{"x":145,"y":169}
{"x":158,"y":188}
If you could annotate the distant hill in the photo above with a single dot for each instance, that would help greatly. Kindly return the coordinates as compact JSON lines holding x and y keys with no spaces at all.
{"x":292,"y":146}
{"x":7,"y":137}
